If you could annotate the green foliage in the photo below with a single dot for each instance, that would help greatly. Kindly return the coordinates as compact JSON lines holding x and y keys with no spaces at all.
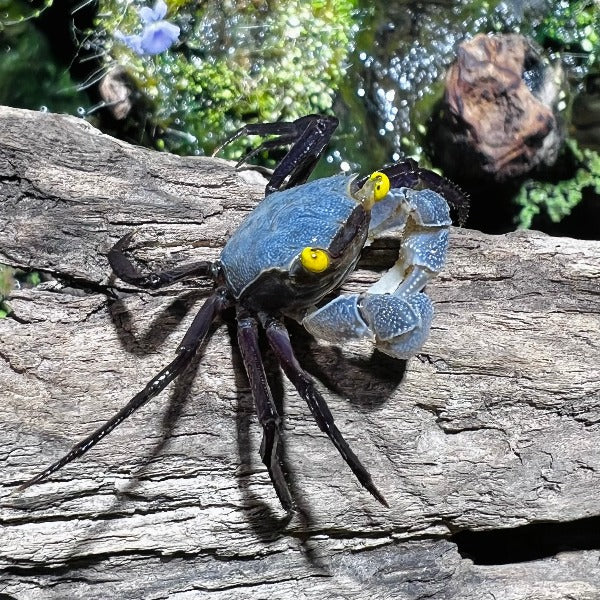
{"x":236,"y":62}
{"x":558,"y":199}
{"x":7,"y":283}
{"x":9,"y":280}
{"x":33,"y":278}
{"x":14,"y":12}
{"x":573,"y":26}
{"x":29,"y":75}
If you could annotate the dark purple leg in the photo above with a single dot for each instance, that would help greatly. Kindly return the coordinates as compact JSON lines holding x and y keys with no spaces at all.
{"x":265,"y":407}
{"x":186,"y":350}
{"x":280,"y":342}
{"x":408,"y":174}
{"x":284,"y":129}
{"x":309,"y":137}
{"x":125,"y":270}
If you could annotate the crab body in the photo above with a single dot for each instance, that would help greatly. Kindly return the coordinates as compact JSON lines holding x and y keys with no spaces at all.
{"x":295,"y":248}
{"x":261,"y":261}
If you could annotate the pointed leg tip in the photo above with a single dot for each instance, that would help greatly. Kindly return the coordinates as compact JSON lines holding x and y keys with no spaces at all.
{"x":379,"y":496}
{"x":124,"y":241}
{"x":290,"y":512}
{"x":38,"y":478}
{"x":285,"y":497}
{"x":22,"y":487}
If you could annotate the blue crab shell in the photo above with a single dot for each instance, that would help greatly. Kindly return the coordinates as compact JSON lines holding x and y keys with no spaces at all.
{"x":261,"y":258}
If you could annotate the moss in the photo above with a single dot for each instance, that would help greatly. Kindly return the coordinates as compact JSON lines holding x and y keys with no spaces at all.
{"x":30,"y":76}
{"x":558,"y":199}
{"x":11,"y":279}
{"x":572,"y":27}
{"x":7,"y":283}
{"x":236,"y":62}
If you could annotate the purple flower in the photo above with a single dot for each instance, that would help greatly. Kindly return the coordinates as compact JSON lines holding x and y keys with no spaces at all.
{"x":157,"y":36}
{"x":152,"y":15}
{"x":131,"y":41}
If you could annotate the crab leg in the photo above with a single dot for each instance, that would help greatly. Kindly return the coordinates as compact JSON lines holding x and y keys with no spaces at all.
{"x":408,"y":174}
{"x":125,"y":270}
{"x":284,"y":129}
{"x":313,"y":135}
{"x":195,"y":335}
{"x":280,"y":343}
{"x":309,"y":137}
{"x":265,"y":407}
{"x":278,"y":142}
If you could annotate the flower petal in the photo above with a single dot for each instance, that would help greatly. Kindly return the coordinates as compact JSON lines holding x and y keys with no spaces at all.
{"x":160,"y":9}
{"x":146,"y":15}
{"x":131,"y":41}
{"x":158,"y":37}
{"x":152,"y":15}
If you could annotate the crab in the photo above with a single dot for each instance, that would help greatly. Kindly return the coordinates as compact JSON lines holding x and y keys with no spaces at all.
{"x":299,"y":245}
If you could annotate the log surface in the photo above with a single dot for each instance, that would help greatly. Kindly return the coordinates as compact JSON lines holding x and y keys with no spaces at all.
{"x":493,"y":429}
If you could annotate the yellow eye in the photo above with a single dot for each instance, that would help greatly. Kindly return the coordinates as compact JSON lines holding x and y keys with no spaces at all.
{"x":382,"y":185}
{"x":314,"y":260}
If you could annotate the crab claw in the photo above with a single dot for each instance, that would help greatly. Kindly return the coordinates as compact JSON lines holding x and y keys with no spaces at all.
{"x":397,"y":326}
{"x":394,"y":313}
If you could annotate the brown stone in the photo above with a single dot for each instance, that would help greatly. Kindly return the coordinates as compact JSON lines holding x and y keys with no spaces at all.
{"x":115,"y":89}
{"x":499,"y":110}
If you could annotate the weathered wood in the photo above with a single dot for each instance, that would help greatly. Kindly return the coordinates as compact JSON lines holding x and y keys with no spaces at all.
{"x":493,"y":426}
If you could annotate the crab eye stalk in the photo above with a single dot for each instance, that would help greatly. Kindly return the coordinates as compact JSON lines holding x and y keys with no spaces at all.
{"x":373,"y":190}
{"x":381,"y":187}
{"x":314,"y":260}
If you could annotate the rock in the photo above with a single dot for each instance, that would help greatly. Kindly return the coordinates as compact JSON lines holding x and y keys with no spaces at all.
{"x":116,"y":89}
{"x":499,"y":117}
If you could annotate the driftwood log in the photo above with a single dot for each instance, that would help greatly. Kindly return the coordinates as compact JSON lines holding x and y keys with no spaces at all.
{"x":486,"y":445}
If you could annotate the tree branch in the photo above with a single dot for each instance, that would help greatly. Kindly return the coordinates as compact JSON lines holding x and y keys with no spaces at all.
{"x":493,"y":426}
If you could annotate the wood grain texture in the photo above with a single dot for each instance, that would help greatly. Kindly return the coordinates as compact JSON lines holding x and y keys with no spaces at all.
{"x":494,"y":425}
